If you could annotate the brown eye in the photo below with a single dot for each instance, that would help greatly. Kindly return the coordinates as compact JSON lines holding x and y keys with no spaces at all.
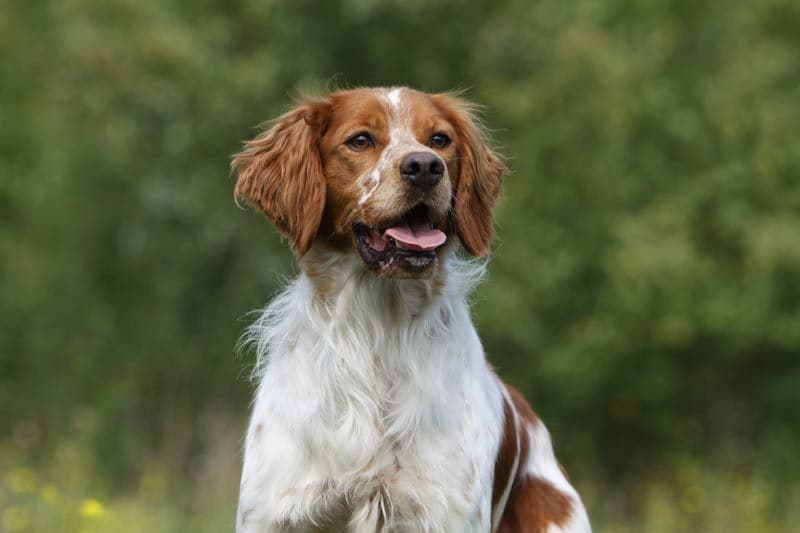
{"x":360,"y":141}
{"x":440,"y":140}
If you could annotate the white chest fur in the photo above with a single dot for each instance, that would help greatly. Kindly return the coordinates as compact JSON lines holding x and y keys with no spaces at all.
{"x":375,"y":408}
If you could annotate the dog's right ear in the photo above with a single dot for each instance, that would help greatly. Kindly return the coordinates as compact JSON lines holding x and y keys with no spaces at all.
{"x":280,"y":173}
{"x":480,"y":179}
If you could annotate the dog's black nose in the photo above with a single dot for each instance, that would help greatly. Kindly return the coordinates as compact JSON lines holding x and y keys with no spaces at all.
{"x":423,"y":170}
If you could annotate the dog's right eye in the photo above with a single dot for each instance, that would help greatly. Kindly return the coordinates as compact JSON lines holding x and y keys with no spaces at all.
{"x":360,"y":141}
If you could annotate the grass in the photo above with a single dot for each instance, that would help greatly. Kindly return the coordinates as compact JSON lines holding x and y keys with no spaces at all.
{"x":65,"y":493}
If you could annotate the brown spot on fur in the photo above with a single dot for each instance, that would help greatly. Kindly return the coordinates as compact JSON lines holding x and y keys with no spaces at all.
{"x":524,"y":410}
{"x":259,"y":429}
{"x":515,"y":445}
{"x":506,"y":455}
{"x":533,"y":504}
{"x":526,"y":414}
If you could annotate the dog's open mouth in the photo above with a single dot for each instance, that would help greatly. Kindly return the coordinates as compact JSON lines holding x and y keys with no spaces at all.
{"x":411,"y":240}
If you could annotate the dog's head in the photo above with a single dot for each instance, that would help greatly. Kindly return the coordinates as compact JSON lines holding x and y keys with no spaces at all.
{"x":389,"y":173}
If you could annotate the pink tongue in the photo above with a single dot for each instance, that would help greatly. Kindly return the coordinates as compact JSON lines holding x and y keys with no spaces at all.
{"x":420,"y":237}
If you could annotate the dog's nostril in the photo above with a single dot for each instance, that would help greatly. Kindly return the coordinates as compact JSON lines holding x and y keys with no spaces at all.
{"x":422,"y":169}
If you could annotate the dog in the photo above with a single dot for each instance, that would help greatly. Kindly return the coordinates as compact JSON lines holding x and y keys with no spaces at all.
{"x":376,"y":409}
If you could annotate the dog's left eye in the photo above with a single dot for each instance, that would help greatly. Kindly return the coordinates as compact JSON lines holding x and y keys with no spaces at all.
{"x":360,"y":141}
{"x":440,"y":140}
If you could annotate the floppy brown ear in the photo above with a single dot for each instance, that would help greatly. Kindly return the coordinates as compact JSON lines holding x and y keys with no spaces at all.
{"x":280,"y":173}
{"x":479,"y":182}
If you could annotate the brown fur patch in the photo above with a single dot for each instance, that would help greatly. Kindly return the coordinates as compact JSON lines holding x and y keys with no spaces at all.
{"x":479,"y":182}
{"x":524,"y":410}
{"x":533,"y":503}
{"x":280,"y":173}
{"x":507,"y":455}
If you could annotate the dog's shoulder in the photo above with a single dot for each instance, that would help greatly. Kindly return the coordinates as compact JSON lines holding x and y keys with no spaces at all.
{"x":531,"y":492}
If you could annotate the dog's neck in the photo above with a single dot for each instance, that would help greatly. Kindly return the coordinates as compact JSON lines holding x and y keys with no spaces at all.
{"x":342,"y":284}
{"x":360,"y":343}
{"x":336,"y":293}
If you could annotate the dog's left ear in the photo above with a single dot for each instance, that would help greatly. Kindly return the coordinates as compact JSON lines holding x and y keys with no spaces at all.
{"x":280,"y":173}
{"x":480,"y":178}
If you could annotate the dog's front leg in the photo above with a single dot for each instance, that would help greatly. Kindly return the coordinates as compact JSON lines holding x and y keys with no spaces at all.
{"x":279,"y":490}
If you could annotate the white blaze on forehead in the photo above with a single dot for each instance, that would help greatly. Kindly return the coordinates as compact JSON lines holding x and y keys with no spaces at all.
{"x":400,"y":122}
{"x":394,"y":97}
{"x":371,"y":180}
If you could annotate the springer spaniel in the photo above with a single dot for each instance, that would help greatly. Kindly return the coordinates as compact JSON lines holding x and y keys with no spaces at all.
{"x":376,"y":409}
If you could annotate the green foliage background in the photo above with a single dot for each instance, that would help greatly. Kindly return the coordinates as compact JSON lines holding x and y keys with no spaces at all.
{"x":645,"y":293}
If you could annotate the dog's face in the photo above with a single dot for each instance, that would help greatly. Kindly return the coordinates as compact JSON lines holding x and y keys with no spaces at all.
{"x":390,"y":174}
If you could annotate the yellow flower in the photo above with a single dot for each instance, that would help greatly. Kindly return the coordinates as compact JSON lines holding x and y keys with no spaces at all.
{"x":92,"y":508}
{"x":49,"y":493}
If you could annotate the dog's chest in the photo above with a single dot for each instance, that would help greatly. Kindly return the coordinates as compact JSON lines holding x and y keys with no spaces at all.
{"x":384,"y":446}
{"x":371,"y":419}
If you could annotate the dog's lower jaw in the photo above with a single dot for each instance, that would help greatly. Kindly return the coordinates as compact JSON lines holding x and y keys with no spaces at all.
{"x":329,"y":269}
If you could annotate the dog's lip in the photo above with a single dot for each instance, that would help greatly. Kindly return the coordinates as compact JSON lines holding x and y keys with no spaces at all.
{"x":412,"y":260}
{"x":420,"y":211}
{"x":412,"y":257}
{"x":414,"y":230}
